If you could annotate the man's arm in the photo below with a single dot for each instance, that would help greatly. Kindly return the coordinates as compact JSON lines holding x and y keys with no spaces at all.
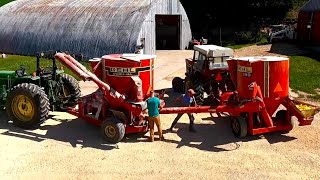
{"x":160,"y":104}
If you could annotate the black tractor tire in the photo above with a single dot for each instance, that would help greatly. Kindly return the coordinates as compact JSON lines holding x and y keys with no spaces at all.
{"x":27,"y":106}
{"x":239,"y":126}
{"x":199,"y":90}
{"x":187,"y":85}
{"x":282,"y":115}
{"x":113,"y":130}
{"x":71,"y":87}
{"x":177,"y":84}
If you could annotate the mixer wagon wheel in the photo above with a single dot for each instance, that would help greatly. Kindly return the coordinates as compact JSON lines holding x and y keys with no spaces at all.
{"x":112,"y":130}
{"x":177,"y":84}
{"x":239,"y":126}
{"x":282,"y":116}
{"x":27,"y":106}
{"x":71,"y":91}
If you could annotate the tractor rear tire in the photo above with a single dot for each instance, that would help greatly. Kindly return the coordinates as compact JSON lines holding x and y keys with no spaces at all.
{"x":113,"y":130}
{"x":71,"y":87}
{"x":27,"y":106}
{"x":187,"y":85}
{"x":177,"y":84}
{"x":239,"y":126}
{"x":199,"y":89}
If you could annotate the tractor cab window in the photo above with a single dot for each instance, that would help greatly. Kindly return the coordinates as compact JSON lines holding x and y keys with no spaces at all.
{"x":218,"y":62}
{"x":198,"y":56}
{"x":200,"y":60}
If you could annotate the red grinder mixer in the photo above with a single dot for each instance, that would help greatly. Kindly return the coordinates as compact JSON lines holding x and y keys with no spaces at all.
{"x":261,"y":103}
{"x":124,"y":81}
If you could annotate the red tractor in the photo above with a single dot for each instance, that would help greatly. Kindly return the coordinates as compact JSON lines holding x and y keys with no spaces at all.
{"x":207,"y":73}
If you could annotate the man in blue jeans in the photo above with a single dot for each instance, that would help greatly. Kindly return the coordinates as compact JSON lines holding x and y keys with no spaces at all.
{"x":154,"y":106}
{"x":186,"y":100}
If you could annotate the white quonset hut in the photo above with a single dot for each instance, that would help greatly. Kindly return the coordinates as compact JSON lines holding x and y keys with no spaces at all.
{"x":93,"y":27}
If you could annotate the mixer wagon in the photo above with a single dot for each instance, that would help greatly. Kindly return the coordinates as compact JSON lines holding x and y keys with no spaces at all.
{"x":260,"y":103}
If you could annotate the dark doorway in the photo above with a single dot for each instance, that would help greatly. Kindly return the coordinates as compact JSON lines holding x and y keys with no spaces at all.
{"x":168,"y":32}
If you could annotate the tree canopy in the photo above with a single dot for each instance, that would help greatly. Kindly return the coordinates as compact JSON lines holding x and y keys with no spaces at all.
{"x":207,"y":14}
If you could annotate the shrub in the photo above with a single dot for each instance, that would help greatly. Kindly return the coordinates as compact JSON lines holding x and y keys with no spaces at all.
{"x":246,"y":37}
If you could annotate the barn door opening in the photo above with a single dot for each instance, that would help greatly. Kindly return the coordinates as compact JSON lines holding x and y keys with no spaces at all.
{"x":168,"y":32}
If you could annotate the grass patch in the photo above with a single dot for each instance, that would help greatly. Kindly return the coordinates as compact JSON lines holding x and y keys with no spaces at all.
{"x":239,"y":46}
{"x":13,"y":62}
{"x":305,"y":74}
{"x":3,"y":2}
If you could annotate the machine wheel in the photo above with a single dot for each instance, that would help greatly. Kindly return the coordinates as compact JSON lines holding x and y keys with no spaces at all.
{"x":199,"y":89}
{"x":72,"y":89}
{"x":177,"y":84}
{"x":112,"y":130}
{"x":187,"y":85}
{"x":27,"y":106}
{"x":239,"y":126}
{"x":282,"y":115}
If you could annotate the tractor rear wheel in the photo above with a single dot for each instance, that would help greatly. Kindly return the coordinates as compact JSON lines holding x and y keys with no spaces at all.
{"x":71,"y":90}
{"x":239,"y":126}
{"x":27,"y":106}
{"x":113,"y":130}
{"x":177,"y":84}
{"x":199,"y":89}
{"x":187,"y":85}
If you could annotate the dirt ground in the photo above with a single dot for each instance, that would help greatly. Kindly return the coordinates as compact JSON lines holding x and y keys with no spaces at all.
{"x":69,"y":148}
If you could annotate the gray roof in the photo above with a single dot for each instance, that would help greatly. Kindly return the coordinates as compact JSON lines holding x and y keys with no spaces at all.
{"x":91,"y":27}
{"x":311,"y":6}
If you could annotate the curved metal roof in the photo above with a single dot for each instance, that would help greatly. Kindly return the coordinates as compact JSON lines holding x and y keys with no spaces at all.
{"x":310,"y":6}
{"x":91,"y":27}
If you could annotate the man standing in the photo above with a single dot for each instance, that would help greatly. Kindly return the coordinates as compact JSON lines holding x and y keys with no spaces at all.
{"x":186,"y":100}
{"x":154,"y":106}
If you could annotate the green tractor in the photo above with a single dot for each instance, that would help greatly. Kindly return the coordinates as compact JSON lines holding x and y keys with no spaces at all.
{"x":28,"y":98}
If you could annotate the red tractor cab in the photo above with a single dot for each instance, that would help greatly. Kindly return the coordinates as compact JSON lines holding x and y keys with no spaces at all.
{"x":207,"y":73}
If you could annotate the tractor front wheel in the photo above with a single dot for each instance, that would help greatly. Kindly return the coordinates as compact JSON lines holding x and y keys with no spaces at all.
{"x":239,"y":126}
{"x":71,"y":91}
{"x":112,"y":130}
{"x":27,"y":106}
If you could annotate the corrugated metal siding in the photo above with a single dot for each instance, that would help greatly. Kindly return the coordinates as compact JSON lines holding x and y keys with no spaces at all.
{"x":91,"y":27}
{"x":170,"y":7}
{"x":303,"y":19}
{"x":315,"y":33}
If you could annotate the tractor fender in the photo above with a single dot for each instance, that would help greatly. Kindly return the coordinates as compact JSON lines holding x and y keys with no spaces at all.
{"x":119,"y":115}
{"x":31,"y":80}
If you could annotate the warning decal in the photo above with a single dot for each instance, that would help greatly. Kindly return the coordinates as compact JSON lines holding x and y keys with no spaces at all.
{"x":278,"y":88}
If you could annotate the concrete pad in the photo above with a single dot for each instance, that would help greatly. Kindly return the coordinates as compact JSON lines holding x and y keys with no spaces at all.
{"x":165,"y":64}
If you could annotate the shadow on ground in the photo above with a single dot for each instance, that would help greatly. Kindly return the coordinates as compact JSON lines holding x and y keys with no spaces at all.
{"x":214,"y":137}
{"x":295,"y":49}
{"x":218,"y":137}
{"x":77,"y":132}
